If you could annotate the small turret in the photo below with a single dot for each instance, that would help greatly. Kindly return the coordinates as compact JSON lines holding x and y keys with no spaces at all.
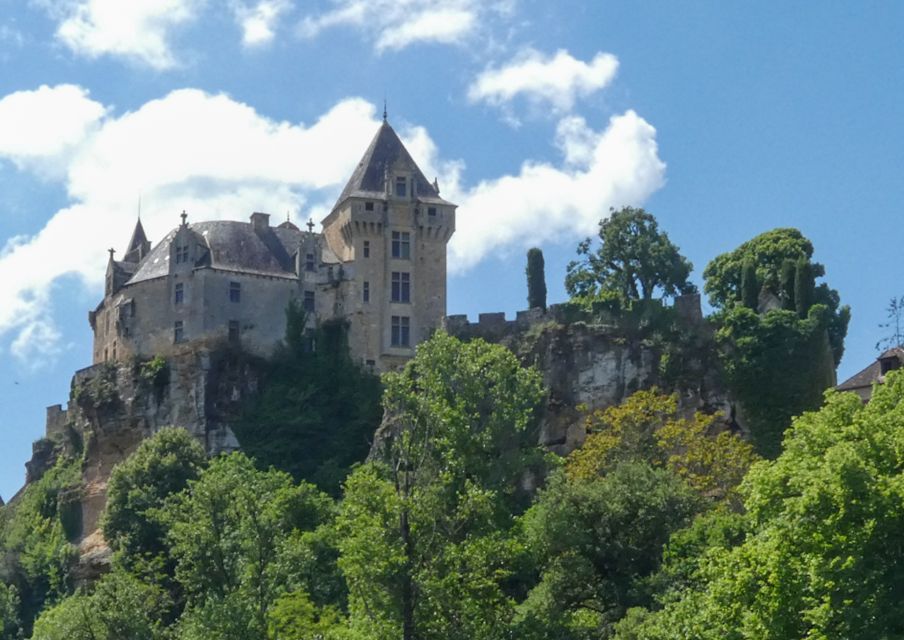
{"x":139,"y":245}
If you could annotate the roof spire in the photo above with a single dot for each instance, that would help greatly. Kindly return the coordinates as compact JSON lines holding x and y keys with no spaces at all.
{"x":184,"y":216}
{"x":384,"y":110}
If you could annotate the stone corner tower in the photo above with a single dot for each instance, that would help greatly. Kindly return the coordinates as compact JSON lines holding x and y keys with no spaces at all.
{"x":390,"y":228}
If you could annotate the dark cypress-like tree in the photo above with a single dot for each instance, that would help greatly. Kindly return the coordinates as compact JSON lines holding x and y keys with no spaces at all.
{"x":788,"y":274}
{"x":804,"y":287}
{"x":750,"y":290}
{"x":536,"y":279}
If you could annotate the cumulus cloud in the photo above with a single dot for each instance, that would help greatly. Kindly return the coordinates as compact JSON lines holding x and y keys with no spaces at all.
{"x":556,"y":81}
{"x":259,"y":20}
{"x":396,"y":24}
{"x":44,"y":125}
{"x":138,"y":30}
{"x":218,"y":158}
{"x":617,"y":166}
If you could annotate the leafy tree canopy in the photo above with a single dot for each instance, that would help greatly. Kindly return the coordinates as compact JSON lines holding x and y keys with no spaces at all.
{"x":634,"y":260}
{"x":823,"y":556}
{"x":768,"y":253}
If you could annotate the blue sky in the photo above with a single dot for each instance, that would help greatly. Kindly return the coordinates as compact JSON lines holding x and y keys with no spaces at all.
{"x":723,"y":119}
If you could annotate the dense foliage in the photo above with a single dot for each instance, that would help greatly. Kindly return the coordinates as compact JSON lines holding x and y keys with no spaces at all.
{"x":821,"y":554}
{"x":317,"y":410}
{"x":780,"y":335}
{"x":634,"y":261}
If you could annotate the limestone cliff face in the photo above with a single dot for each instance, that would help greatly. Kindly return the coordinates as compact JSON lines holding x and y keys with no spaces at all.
{"x":113,"y":407}
{"x":597,"y":364}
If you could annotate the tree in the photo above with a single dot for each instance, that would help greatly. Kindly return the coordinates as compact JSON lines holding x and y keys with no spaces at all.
{"x":804,"y":287}
{"x":822,"y":557}
{"x":597,"y":541}
{"x":423,"y":528}
{"x":647,"y":428}
{"x":635,"y":260}
{"x":536,"y":280}
{"x":162,"y":466}
{"x":750,"y":288}
{"x":893,"y":325}
{"x":121,"y":606}
{"x":234,"y":534}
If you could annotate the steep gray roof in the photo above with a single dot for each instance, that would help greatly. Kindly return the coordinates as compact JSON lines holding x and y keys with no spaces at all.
{"x":231,"y":246}
{"x":384,"y":151}
{"x":871,"y":374}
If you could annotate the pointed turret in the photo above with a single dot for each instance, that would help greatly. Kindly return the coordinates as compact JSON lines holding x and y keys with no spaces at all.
{"x":385,"y":157}
{"x":139,"y":245}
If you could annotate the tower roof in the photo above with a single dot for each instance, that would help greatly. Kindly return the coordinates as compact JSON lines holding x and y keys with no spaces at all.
{"x":138,"y":245}
{"x":385,"y":152}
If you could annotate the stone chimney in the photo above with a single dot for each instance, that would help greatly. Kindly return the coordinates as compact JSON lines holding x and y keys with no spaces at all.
{"x":260,"y":222}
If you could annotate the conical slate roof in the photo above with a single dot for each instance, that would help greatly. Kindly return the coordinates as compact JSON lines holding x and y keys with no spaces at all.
{"x":138,"y":245}
{"x":386,"y":151}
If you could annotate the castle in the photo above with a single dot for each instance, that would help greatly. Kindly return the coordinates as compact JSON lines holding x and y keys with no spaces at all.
{"x":379,"y":264}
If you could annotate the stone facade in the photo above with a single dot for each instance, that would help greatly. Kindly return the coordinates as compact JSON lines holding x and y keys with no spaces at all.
{"x":379,"y":265}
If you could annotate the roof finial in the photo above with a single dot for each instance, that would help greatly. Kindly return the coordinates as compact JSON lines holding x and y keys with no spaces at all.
{"x":384,"y":110}
{"x":310,"y":225}
{"x":184,"y":216}
{"x":112,"y":251}
{"x":139,"y":207}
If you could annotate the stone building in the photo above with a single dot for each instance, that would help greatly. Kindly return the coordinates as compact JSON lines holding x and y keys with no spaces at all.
{"x":379,"y":265}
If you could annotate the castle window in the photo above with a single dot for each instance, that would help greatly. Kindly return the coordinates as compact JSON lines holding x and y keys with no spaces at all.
{"x":401,"y":187}
{"x":309,"y":262}
{"x":366,"y":292}
{"x":179,"y":294}
{"x":367,"y":248}
{"x":181,"y":254}
{"x":178,"y":333}
{"x":234,"y":331}
{"x":431,"y":211}
{"x":401,"y":287}
{"x":401,"y":331}
{"x":235,"y":292}
{"x":308,"y":304}
{"x":401,"y":245}
{"x":368,"y":206}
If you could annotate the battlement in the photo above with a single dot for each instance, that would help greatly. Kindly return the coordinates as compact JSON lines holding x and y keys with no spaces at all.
{"x":493,"y":326}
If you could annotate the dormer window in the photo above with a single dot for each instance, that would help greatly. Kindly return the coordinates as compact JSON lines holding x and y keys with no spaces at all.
{"x":401,"y":187}
{"x":181,"y":254}
{"x":309,"y":262}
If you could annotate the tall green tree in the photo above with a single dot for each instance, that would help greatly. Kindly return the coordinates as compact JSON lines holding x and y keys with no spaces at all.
{"x":536,"y":279}
{"x":160,"y":467}
{"x":822,"y":557}
{"x":238,"y":536}
{"x":634,"y":260}
{"x":750,"y":288}
{"x":423,"y":528}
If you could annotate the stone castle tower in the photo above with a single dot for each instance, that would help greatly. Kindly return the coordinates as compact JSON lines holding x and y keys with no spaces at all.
{"x":379,"y":265}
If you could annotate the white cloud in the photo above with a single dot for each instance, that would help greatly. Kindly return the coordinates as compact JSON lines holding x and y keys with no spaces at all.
{"x":557,"y":80}
{"x":611,"y":168}
{"x":396,"y":24}
{"x":138,"y":30}
{"x":259,"y":21}
{"x":43,"y":125}
{"x":37,"y":345}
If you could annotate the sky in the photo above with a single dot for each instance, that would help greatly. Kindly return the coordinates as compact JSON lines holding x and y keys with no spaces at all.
{"x":722,"y":119}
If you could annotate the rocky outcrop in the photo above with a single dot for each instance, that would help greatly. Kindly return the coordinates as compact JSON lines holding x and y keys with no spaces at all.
{"x":113,"y":407}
